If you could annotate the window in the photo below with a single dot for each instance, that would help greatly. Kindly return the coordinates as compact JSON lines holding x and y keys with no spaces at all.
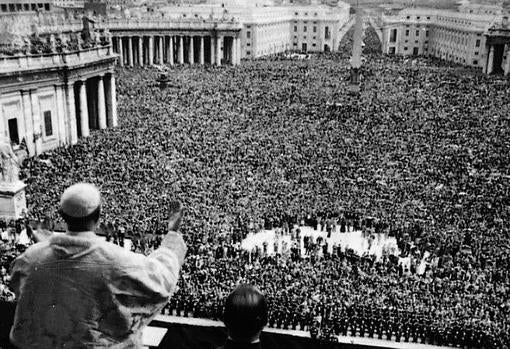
{"x":248,"y":53}
{"x":327,"y":34}
{"x":415,"y":51}
{"x":248,"y":44}
{"x":392,"y":51}
{"x":47,"y":7}
{"x":248,"y":34}
{"x":417,"y":33}
{"x":477,"y":43}
{"x":48,"y":127}
{"x":408,"y":17}
{"x":407,"y":32}
{"x":13,"y":130}
{"x":415,"y":41}
{"x":295,"y":28}
{"x":314,"y":44}
{"x":428,"y":17}
{"x":4,"y":7}
{"x":405,"y":48}
{"x":393,"y":35}
{"x":314,"y":29}
{"x":418,"y":17}
{"x":304,"y":29}
{"x":427,"y":34}
{"x":475,"y":62}
{"x":476,"y":53}
{"x":296,"y":13}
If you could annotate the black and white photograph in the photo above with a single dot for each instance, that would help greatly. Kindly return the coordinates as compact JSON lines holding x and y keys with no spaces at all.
{"x":254,"y":174}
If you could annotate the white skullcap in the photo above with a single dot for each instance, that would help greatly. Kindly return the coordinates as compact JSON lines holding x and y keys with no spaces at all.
{"x":80,"y":200}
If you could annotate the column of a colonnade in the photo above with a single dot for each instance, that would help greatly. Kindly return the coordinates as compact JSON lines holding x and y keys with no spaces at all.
{"x":28,"y":115}
{"x":130,"y":51}
{"x":121,"y":51}
{"x":84,"y":112}
{"x":213,"y":51}
{"x":238,"y":50}
{"x":140,"y":51}
{"x":201,"y":57}
{"x":191,"y":51}
{"x":71,"y":114}
{"x":160,"y":52}
{"x":150,"y":60}
{"x":233,"y":51}
{"x":180,"y":56}
{"x":507,"y":61}
{"x":170,"y":50}
{"x":36,"y":117}
{"x":111,"y":100}
{"x":490,"y":62}
{"x":101,"y":106}
{"x":219,"y":42}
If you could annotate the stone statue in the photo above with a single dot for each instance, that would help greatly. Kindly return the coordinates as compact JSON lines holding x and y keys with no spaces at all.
{"x":9,"y":162}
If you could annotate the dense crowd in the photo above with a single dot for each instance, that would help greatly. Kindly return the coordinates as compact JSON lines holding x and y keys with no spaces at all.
{"x":421,"y":154}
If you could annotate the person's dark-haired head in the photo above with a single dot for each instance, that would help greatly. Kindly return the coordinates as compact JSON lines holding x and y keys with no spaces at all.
{"x":80,"y":207}
{"x":245,"y":314}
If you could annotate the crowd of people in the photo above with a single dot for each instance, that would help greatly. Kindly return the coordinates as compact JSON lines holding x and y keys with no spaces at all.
{"x":420,"y":154}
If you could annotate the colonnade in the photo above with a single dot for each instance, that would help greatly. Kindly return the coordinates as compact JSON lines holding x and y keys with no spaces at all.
{"x":177,"y":49}
{"x":95,"y":105}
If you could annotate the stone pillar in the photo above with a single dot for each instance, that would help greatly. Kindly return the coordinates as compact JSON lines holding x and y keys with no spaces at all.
{"x":101,"y":107}
{"x":71,"y":114}
{"x":84,"y":112}
{"x":490,"y":62}
{"x":180,"y":55}
{"x":171,"y":50}
{"x":233,"y":51}
{"x":219,"y":42}
{"x":238,"y":50}
{"x":507,"y":61}
{"x":121,"y":52}
{"x":29,"y":129}
{"x":160,"y":50}
{"x":36,"y":115}
{"x":213,"y":51}
{"x":201,"y":55}
{"x":191,"y":51}
{"x":140,"y":51}
{"x":150,"y":61}
{"x":130,"y":51}
{"x":111,"y":100}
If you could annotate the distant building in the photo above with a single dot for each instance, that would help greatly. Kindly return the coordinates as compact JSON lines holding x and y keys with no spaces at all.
{"x":25,"y":6}
{"x":55,"y":91}
{"x":269,"y":29}
{"x":465,"y":38}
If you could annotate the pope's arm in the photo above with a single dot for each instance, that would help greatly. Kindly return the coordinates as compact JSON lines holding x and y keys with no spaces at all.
{"x":147,"y":283}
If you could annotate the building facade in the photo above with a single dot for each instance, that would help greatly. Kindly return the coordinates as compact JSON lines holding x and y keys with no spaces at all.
{"x":25,"y":6}
{"x":53,"y":99}
{"x":271,"y":29}
{"x":458,"y":37}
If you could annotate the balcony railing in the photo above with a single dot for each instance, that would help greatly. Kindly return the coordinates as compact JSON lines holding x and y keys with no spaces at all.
{"x":46,"y":61}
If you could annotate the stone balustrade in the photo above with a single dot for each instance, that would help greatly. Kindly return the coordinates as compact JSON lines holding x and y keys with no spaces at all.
{"x":47,"y":61}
